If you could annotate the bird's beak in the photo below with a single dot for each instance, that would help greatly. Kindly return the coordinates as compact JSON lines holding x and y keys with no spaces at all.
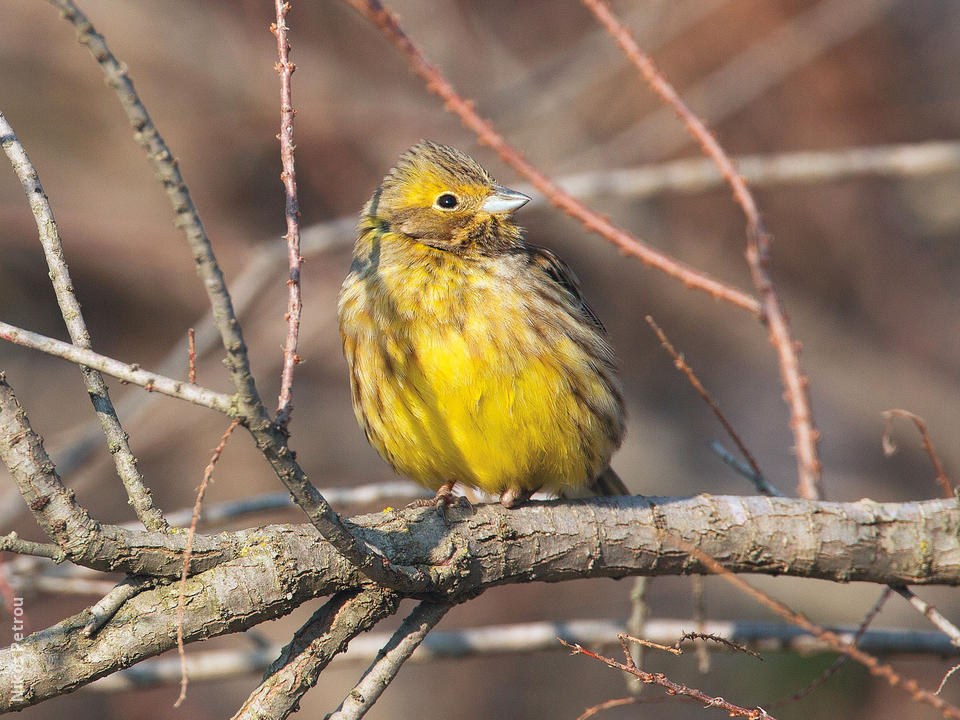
{"x":504,"y":200}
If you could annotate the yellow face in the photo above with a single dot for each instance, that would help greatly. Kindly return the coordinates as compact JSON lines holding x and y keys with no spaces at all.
{"x":443,"y":198}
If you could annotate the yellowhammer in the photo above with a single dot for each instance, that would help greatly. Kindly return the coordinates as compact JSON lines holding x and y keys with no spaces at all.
{"x":473,"y":356}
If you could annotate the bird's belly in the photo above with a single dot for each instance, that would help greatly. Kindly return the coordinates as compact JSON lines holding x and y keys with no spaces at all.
{"x":480,"y":406}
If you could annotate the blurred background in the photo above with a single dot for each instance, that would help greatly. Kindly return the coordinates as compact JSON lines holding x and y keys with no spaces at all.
{"x":866,"y":266}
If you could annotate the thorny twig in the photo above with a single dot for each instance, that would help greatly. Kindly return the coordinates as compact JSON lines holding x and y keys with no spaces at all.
{"x":873,"y":665}
{"x":758,"y":258}
{"x":285,"y":69}
{"x":672,"y":688}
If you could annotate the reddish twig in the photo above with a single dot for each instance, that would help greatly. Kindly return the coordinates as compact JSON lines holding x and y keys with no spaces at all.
{"x":681,"y":365}
{"x":672,"y":688}
{"x":873,"y":665}
{"x":387,"y":22}
{"x":285,"y":69}
{"x":758,"y":256}
{"x":192,"y":354}
{"x":842,"y":659}
{"x":889,"y":448}
{"x":207,"y":475}
{"x":711,"y":637}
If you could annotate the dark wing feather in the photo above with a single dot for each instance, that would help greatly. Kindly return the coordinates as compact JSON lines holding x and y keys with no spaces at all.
{"x":558,"y":271}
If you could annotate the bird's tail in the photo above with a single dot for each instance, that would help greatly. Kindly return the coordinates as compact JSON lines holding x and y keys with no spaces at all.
{"x":606,"y":483}
{"x":609,"y":483}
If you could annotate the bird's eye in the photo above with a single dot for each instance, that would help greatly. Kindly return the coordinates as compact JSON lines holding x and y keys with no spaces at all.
{"x":447,"y":201}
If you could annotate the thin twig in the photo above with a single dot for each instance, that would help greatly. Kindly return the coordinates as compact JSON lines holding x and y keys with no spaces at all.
{"x":280,"y":500}
{"x":387,"y":22}
{"x":707,"y":638}
{"x":393,"y":654}
{"x":207,"y":475}
{"x":682,"y":366}
{"x":285,"y":69}
{"x":873,"y":665}
{"x":192,"y":354}
{"x":700,"y":617}
{"x":672,"y":688}
{"x":102,"y":611}
{"x":623,"y":637}
{"x":13,"y":543}
{"x":758,"y":258}
{"x":841,"y":660}
{"x":636,"y":626}
{"x":117,"y":439}
{"x":127,"y":372}
{"x":889,"y":448}
{"x":929,"y":612}
{"x":759,"y":482}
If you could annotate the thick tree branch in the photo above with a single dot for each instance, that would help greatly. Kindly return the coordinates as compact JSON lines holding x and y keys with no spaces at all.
{"x":279,"y":567}
{"x":81,"y":538}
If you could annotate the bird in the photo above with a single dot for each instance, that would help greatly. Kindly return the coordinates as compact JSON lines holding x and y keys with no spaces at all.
{"x":472,"y":354}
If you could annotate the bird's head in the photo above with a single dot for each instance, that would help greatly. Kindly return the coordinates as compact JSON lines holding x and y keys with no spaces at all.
{"x":441,"y":197}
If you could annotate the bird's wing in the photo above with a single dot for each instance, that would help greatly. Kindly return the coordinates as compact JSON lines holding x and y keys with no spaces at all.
{"x":558,"y":271}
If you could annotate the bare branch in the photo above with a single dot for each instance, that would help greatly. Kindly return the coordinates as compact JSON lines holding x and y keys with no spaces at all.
{"x":126,"y":372}
{"x":13,"y":543}
{"x":396,"y":651}
{"x":278,"y":567}
{"x":117,"y":439}
{"x":285,"y":69}
{"x":358,"y":495}
{"x":841,"y":659}
{"x":672,"y":688}
{"x":496,"y":640}
{"x":106,"y":608}
{"x":929,"y":612}
{"x":314,"y":645}
{"x":191,"y":534}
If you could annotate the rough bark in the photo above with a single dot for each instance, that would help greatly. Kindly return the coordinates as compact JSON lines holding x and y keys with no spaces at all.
{"x":276,"y":568}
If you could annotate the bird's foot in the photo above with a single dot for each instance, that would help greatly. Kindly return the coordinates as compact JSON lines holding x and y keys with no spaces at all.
{"x":442,"y":500}
{"x":512,"y":497}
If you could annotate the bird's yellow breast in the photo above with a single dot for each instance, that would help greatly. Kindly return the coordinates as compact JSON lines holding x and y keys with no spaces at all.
{"x":454,"y":378}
